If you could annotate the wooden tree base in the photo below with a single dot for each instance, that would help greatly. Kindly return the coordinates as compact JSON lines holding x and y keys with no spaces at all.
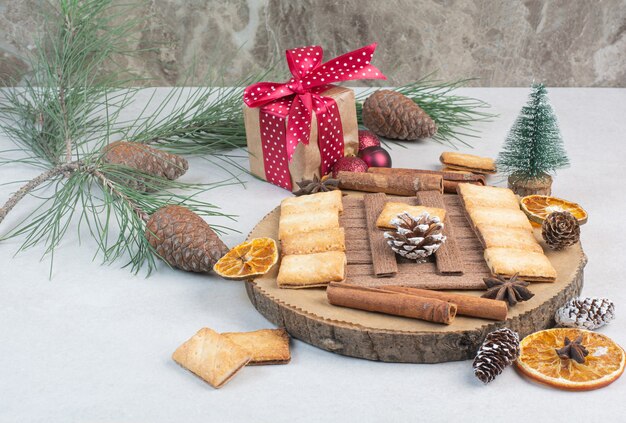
{"x":306,"y":315}
{"x":534,"y":186}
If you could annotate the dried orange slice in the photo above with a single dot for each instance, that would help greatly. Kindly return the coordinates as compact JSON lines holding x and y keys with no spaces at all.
{"x":539,"y":360}
{"x":252,"y":258}
{"x":538,"y":207}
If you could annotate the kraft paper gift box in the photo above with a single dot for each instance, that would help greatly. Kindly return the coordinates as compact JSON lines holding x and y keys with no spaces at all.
{"x":298,"y":129}
{"x":306,"y":161}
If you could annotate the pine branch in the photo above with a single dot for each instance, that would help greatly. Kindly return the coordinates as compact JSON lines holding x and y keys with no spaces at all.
{"x":455,"y":115}
{"x":61,"y":119}
{"x":34,"y":183}
{"x":196,"y":120}
{"x":108,"y":184}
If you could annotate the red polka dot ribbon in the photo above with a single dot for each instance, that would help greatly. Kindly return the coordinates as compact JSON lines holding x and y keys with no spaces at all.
{"x":297,"y":99}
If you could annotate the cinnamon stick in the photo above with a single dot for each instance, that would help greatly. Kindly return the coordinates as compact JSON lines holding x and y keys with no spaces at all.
{"x":400,"y":184}
{"x":389,"y":302}
{"x":467,"y":305}
{"x":450,"y":179}
{"x":383,"y":257}
{"x":449,"y":259}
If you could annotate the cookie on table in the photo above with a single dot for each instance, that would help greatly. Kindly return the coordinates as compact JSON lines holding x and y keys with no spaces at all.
{"x":211,"y":356}
{"x":265,"y":346}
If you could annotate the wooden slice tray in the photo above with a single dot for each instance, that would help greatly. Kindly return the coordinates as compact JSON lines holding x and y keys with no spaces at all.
{"x":307,"y":315}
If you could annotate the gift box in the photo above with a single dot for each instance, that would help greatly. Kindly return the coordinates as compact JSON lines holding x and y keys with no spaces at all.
{"x":299,"y":129}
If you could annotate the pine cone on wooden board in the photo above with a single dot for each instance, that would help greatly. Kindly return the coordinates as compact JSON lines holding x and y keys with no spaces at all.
{"x":145,"y":159}
{"x":560,"y":230}
{"x":183,"y":239}
{"x":415,"y":238}
{"x":585,"y":313}
{"x":393,"y":115}
{"x":499,"y":350}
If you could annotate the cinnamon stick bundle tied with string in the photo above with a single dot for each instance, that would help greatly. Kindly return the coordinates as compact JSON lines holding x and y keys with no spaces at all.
{"x":401,"y":184}
{"x":450,"y":179}
{"x":389,"y":302}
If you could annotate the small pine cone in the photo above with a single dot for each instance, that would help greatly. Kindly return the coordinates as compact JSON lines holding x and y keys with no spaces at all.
{"x":585,"y":313}
{"x":145,"y":159}
{"x":184,"y":239}
{"x":415,"y":238}
{"x":499,"y":350}
{"x":560,"y":230}
{"x":393,"y":115}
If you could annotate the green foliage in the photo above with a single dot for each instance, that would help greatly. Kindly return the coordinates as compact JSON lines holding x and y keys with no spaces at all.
{"x":65,"y":100}
{"x":68,"y":109}
{"x":454,"y":114}
{"x":534,"y":146}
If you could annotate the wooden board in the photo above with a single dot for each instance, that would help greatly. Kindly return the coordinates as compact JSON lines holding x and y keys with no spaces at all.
{"x":306,"y":314}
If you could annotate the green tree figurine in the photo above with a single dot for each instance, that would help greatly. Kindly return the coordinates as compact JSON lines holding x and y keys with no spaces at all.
{"x":534,"y":147}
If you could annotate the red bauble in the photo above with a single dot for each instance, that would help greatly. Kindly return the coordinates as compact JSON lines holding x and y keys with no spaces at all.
{"x":375,"y":157}
{"x":368,"y":139}
{"x":349,"y":164}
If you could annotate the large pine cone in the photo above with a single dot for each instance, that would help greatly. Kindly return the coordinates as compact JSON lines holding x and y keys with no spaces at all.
{"x":585,"y":313}
{"x":184,"y":239}
{"x":393,"y":115}
{"x":499,"y":350}
{"x":560,"y":230}
{"x":415,"y":238}
{"x":145,"y":159}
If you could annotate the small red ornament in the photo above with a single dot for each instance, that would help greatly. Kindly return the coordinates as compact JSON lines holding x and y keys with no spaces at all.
{"x":349,"y":164}
{"x":375,"y":157}
{"x":368,"y":139}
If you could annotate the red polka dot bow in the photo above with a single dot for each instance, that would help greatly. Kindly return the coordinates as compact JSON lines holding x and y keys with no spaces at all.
{"x":297,"y":99}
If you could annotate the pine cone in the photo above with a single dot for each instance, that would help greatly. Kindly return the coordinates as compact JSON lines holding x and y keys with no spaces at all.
{"x":184,"y":239}
{"x":585,"y":313}
{"x":560,"y":230}
{"x":393,"y":115}
{"x":415,"y":238}
{"x":145,"y":159}
{"x":499,"y":350}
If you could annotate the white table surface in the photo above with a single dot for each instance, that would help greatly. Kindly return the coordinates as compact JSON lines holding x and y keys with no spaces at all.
{"x":93,"y":343}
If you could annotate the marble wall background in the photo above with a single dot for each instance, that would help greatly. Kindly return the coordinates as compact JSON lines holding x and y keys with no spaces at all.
{"x":503,"y":42}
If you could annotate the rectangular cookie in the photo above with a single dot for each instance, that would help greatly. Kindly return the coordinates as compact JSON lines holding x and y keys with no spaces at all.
{"x":486,"y":196}
{"x":211,"y":356}
{"x":265,"y":346}
{"x":507,"y":218}
{"x":391,"y":210}
{"x":305,"y":203}
{"x":469,"y":162}
{"x":502,"y":237}
{"x":312,"y":270}
{"x":531,"y":266}
{"x":333,"y":239}
{"x":314,"y":220}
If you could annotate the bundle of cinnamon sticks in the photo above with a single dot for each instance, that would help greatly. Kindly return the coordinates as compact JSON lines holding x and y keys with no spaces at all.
{"x":432,"y":306}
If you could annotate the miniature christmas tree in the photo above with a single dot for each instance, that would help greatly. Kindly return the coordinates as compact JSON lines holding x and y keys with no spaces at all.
{"x":534,"y":147}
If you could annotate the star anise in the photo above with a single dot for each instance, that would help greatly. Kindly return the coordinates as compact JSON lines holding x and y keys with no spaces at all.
{"x":573,"y":350}
{"x":512,"y":291}
{"x":311,"y":186}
